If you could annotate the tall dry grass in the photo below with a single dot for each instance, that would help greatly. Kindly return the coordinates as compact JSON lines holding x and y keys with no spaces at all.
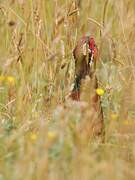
{"x":43,"y":135}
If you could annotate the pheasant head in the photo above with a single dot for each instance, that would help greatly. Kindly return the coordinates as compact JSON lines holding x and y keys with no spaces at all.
{"x":85,"y":54}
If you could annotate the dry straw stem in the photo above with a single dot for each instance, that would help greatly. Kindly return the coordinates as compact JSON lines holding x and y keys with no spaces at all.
{"x":103,"y":34}
{"x":25,"y":24}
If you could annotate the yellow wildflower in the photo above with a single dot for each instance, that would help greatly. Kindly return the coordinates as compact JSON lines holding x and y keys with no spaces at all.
{"x":33,"y":136}
{"x":2,"y":78}
{"x":10,"y":80}
{"x":126,"y":122}
{"x":114,"y":116}
{"x":52,"y":135}
{"x":129,"y":122}
{"x":100,"y":91}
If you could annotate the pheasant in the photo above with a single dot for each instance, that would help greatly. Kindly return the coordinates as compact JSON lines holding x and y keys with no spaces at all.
{"x":85,"y":55}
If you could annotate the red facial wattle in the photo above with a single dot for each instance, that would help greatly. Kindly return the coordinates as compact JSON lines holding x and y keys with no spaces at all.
{"x":92,"y":47}
{"x":91,"y":44}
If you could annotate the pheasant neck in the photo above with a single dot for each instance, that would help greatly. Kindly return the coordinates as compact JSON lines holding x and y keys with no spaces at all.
{"x":77,"y":83}
{"x":75,"y":93}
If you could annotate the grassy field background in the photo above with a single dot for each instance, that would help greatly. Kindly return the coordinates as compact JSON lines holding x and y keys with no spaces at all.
{"x":43,"y":135}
